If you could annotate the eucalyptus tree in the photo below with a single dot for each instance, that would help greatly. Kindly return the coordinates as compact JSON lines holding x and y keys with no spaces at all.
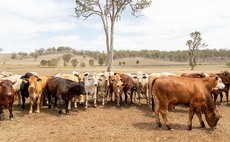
{"x":109,"y":11}
{"x":193,"y":45}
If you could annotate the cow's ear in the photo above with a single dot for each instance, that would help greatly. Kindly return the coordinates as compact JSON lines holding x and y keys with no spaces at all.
{"x":39,"y":79}
{"x":14,"y":82}
{"x":144,"y":77}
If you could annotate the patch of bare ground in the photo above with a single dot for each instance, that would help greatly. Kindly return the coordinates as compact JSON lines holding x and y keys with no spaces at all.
{"x":109,"y":123}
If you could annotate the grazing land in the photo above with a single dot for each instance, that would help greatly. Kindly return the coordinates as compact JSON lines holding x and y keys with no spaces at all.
{"x":109,"y":123}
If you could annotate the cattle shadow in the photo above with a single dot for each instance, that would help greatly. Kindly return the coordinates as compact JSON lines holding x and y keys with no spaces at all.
{"x":152,"y":126}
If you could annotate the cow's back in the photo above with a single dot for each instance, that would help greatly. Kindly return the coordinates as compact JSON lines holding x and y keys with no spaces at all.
{"x":178,"y":90}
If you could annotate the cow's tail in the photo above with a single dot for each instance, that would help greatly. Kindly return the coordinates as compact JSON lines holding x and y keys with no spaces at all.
{"x":152,"y":95}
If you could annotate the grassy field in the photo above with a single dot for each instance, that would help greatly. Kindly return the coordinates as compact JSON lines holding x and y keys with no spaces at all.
{"x":145,"y":65}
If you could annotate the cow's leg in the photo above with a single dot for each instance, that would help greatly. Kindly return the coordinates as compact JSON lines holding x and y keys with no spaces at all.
{"x":69,"y":104}
{"x":59,"y":97}
{"x":1,"y":112}
{"x":38,"y":103}
{"x":199,"y":114}
{"x":226,"y":93}
{"x":117,"y":97}
{"x":19,"y":98}
{"x":163,"y":113}
{"x":86,"y":100}
{"x":23,"y":102}
{"x":126,"y":97}
{"x":49,"y":101}
{"x":221,"y":96}
{"x":95,"y":97}
{"x":147,"y":96}
{"x":191,"y":114}
{"x":131,"y":98}
{"x":215,"y":98}
{"x":31,"y":105}
{"x":66,"y":106}
{"x":156,"y":110}
{"x":11,"y":116}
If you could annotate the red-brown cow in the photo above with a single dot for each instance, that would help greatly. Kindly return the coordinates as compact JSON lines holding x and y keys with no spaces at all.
{"x":225,"y":76}
{"x":7,"y":95}
{"x":127,"y":87}
{"x":195,"y":92}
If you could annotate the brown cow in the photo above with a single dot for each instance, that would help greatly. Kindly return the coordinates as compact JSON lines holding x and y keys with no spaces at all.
{"x":7,"y":95}
{"x":35,"y":89}
{"x":226,"y":91}
{"x":127,"y":87}
{"x":115,"y":84}
{"x":195,"y":92}
{"x":225,"y":76}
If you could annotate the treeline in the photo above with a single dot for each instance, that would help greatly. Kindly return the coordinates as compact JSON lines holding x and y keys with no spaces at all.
{"x":206,"y":55}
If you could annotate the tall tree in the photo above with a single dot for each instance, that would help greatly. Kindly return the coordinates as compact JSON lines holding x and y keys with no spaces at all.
{"x":193,"y":45}
{"x":109,"y":12}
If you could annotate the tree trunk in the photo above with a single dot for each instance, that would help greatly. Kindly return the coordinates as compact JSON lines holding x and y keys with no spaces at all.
{"x":110,"y":53}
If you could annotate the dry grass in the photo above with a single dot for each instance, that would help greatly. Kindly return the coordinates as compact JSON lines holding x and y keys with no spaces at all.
{"x":124,"y":124}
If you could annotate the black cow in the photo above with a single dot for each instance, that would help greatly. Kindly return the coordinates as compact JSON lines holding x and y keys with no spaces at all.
{"x":24,"y":88}
{"x":63,"y":89}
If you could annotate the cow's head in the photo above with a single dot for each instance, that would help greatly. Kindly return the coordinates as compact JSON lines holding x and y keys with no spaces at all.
{"x":33,"y":80}
{"x":212,"y":116}
{"x":6,"y":87}
{"x":81,"y":88}
{"x":220,"y":84}
{"x":116,"y":80}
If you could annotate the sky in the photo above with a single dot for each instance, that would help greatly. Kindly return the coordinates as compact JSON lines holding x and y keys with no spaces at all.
{"x":27,"y":25}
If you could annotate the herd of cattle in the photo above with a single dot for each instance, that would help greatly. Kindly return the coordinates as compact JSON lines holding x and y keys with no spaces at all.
{"x":162,"y":91}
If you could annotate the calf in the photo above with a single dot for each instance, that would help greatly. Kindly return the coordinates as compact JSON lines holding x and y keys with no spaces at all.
{"x":35,"y":89}
{"x":6,"y":96}
{"x":195,"y":92}
{"x":63,"y":89}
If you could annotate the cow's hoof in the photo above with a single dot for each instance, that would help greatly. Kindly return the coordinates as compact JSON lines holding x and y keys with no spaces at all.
{"x":11,"y":119}
{"x":190,"y":127}
{"x":95,"y":106}
{"x":37,"y":111}
{"x":159,"y":124}
{"x":86,"y":107}
{"x":30,"y":112}
{"x":169,"y":128}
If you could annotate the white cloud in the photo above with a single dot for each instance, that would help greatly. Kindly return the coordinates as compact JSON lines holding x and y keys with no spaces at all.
{"x":165,"y":25}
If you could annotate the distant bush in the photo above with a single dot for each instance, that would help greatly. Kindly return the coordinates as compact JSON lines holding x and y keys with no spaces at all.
{"x":228,"y":64}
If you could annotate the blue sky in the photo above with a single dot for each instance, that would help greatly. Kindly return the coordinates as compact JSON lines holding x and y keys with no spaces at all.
{"x":27,"y":25}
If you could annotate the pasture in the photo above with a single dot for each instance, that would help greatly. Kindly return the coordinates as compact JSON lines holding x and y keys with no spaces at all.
{"x":109,"y":123}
